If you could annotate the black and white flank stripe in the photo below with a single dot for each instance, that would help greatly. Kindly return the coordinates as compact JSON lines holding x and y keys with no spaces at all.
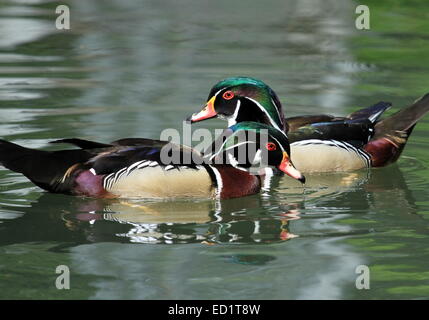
{"x":110,"y":179}
{"x":338,"y":144}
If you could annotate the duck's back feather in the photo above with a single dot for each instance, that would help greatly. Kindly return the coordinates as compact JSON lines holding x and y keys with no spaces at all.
{"x":356,"y":129}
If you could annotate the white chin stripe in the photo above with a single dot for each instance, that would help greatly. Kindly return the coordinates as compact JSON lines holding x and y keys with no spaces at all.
{"x":231,"y":122}
{"x":233,"y":119}
{"x":257,"y":159}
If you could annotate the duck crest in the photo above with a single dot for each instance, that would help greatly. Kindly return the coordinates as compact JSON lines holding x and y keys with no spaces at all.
{"x":260,"y":103}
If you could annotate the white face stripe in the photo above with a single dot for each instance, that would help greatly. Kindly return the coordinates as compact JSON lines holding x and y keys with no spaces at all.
{"x":257,"y":158}
{"x":215,"y":95}
{"x":280,"y":145}
{"x":277,"y":109}
{"x":231,"y":147}
{"x":239,"y":144}
{"x":232,"y":120}
{"x":273,"y":123}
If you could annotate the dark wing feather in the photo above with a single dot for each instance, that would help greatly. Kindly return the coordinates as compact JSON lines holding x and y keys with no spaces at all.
{"x":83,"y":144}
{"x":372,"y":113}
{"x":55,"y":170}
{"x":357,"y":128}
{"x":356,"y":132}
{"x":137,"y":142}
{"x":86,"y":144}
{"x":297,"y":122}
{"x":123,"y":156}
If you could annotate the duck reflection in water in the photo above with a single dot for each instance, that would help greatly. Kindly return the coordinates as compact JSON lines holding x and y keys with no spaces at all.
{"x":204,"y":222}
{"x":265,"y":218}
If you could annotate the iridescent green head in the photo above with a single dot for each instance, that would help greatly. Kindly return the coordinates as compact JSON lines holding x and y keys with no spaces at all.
{"x":241,"y":99}
{"x":248,"y":145}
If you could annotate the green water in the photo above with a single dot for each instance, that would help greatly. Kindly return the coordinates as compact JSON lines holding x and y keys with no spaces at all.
{"x":133,"y":68}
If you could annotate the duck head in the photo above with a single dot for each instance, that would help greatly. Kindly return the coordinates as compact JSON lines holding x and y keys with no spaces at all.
{"x":252,"y":146}
{"x":242,"y":99}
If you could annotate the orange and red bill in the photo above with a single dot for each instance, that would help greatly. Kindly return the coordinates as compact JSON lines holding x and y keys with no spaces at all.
{"x":207,"y":112}
{"x":287,"y":167}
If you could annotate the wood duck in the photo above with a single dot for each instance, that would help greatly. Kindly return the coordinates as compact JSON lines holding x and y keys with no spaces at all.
{"x":319,"y":143}
{"x":138,"y":168}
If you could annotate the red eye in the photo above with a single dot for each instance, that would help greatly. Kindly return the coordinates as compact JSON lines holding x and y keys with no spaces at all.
{"x":228,"y":95}
{"x":271,"y":146}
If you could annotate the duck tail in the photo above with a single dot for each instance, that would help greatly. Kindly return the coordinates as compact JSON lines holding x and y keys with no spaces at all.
{"x":371,"y":113}
{"x":391,"y":134}
{"x":46,"y":169}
